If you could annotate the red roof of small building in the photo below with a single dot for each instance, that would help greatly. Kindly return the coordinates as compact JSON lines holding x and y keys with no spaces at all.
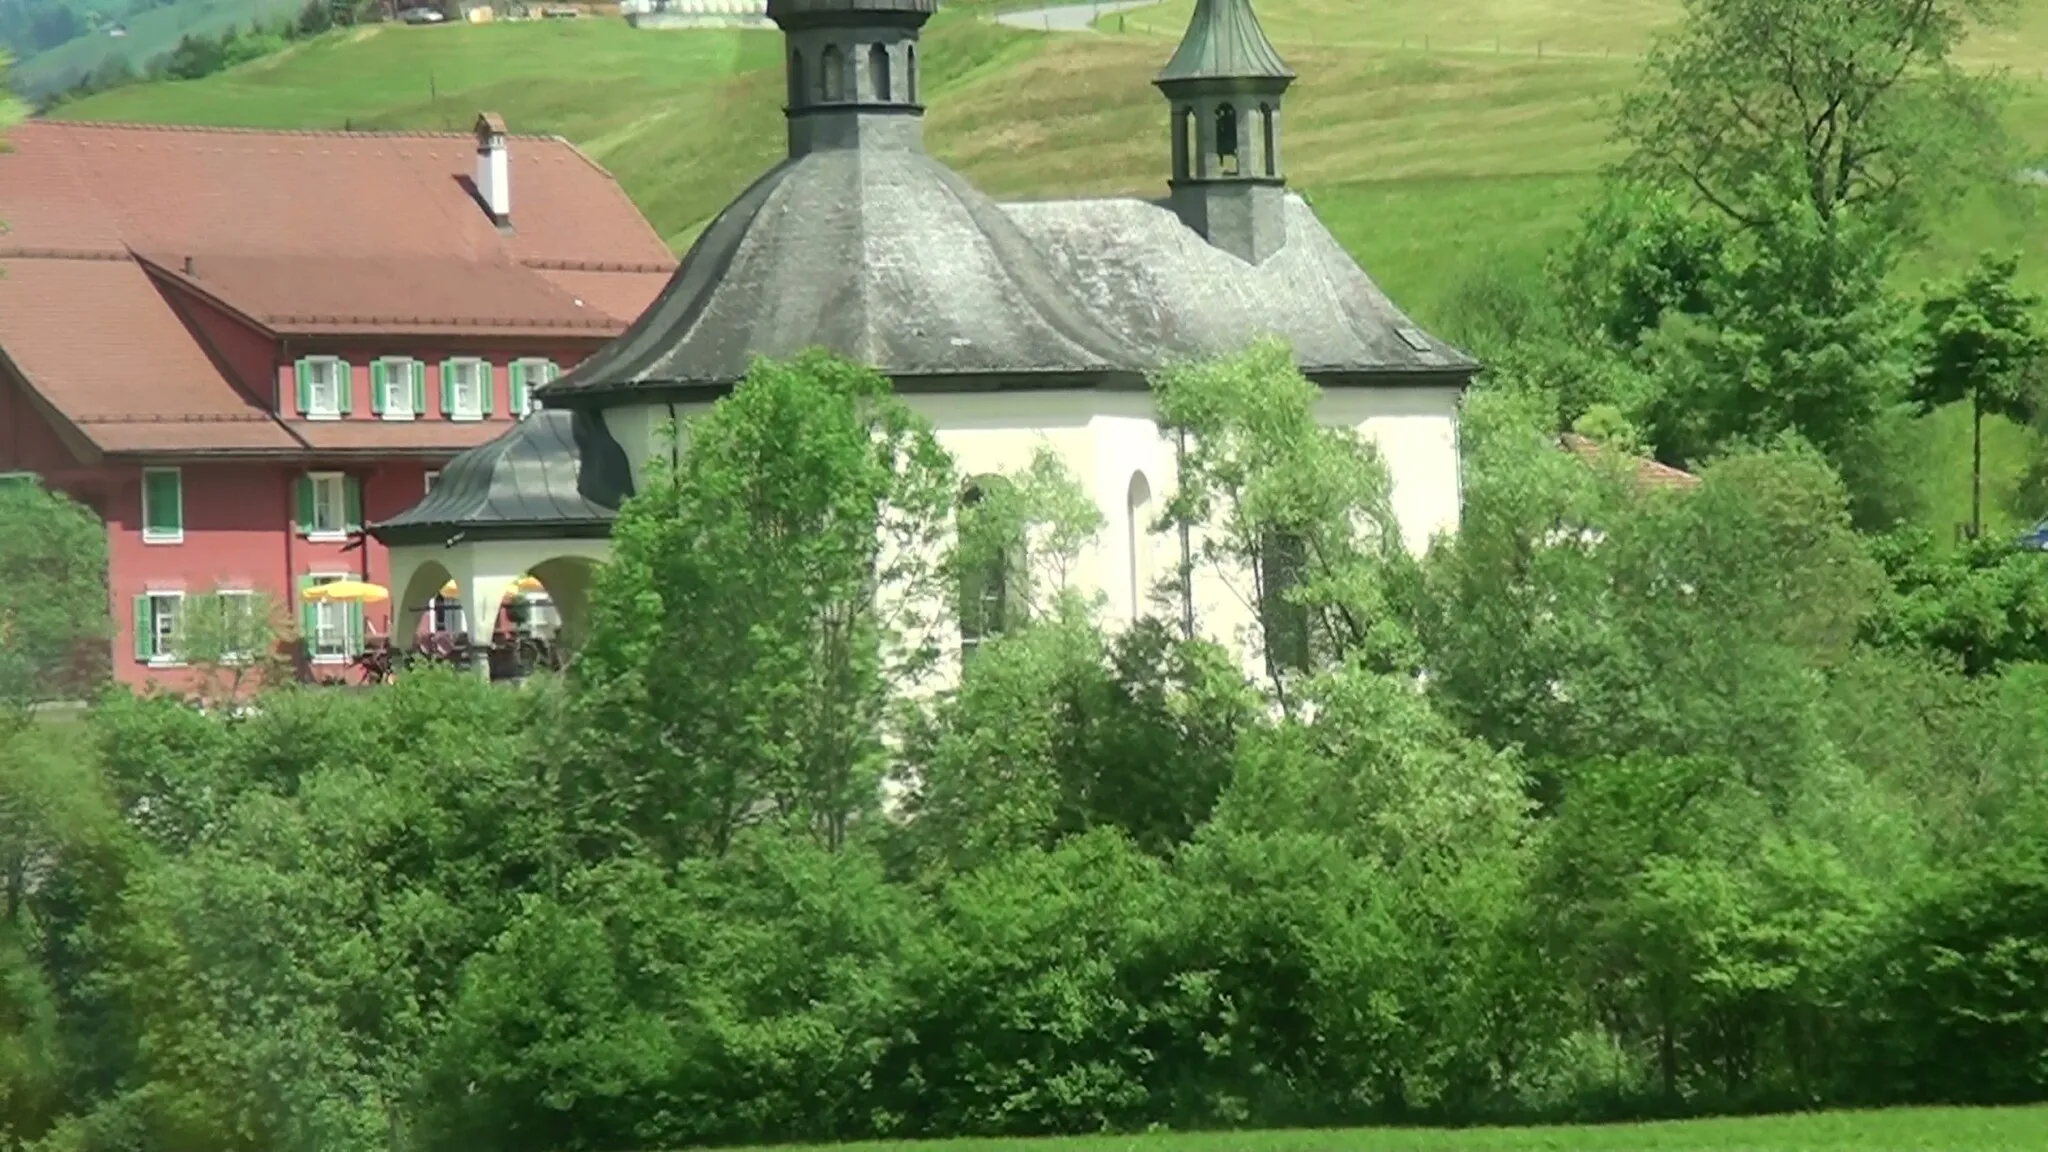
{"x":297,"y":233}
{"x":1649,"y":473}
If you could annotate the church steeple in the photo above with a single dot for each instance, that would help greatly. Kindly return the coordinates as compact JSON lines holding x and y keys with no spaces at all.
{"x":852,"y":72}
{"x":1225,"y":83}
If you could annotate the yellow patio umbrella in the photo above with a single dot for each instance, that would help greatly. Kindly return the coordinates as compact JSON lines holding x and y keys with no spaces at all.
{"x":523,"y":584}
{"x":348,"y":592}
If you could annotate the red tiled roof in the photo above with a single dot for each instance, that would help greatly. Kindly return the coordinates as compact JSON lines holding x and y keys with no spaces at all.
{"x":304,"y":295}
{"x":424,"y":436}
{"x":301,"y":232}
{"x":230,"y":191}
{"x":1649,"y":473}
{"x":94,"y":339}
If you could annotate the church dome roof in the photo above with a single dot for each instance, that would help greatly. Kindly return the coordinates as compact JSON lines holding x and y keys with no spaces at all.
{"x":553,"y":474}
{"x":882,"y":255}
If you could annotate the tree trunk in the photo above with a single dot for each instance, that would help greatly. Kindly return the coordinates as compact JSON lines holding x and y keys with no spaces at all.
{"x":1976,"y":467}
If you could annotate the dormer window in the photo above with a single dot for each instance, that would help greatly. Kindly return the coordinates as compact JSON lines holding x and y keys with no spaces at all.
{"x":322,"y":388}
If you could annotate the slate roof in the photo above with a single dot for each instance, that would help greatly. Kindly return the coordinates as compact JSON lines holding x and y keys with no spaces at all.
{"x":882,"y":255}
{"x":1225,"y":42}
{"x":1146,"y":274}
{"x":552,"y":474}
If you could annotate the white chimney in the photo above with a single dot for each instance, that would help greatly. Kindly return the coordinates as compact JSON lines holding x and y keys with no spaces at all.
{"x":493,"y":168}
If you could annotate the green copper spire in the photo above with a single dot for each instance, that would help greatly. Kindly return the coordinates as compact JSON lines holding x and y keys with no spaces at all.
{"x":1224,"y":42}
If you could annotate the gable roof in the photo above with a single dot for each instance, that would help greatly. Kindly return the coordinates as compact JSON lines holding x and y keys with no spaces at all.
{"x":298,"y":233}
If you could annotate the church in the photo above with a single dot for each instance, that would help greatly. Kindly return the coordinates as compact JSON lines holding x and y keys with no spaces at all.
{"x":1013,"y":327}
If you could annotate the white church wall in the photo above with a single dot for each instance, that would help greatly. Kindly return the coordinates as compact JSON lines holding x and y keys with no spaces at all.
{"x":1106,"y":439}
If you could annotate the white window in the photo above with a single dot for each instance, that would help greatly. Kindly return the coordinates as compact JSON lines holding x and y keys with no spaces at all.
{"x":237,"y":622}
{"x":162,"y":613}
{"x":333,"y":625}
{"x":462,"y":388}
{"x":396,"y":382}
{"x":326,"y":512}
{"x":323,"y":385}
{"x":527,"y":377}
{"x":433,"y":477}
{"x":447,"y":614}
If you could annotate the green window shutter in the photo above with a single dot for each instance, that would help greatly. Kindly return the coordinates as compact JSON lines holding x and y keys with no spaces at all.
{"x":145,"y":629}
{"x":309,"y":616}
{"x":447,"y":388}
{"x":380,"y":381}
{"x":515,"y":375}
{"x":487,"y":383}
{"x":303,"y":387}
{"x":417,"y":373}
{"x":345,"y":386}
{"x":302,"y":503}
{"x":353,"y":493}
{"x":355,"y":629}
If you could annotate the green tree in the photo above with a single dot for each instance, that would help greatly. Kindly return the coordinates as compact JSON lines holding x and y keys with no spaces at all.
{"x":1296,"y":517}
{"x":1982,"y":339}
{"x":1849,"y":108}
{"x":53,"y":611}
{"x":790,"y":564}
{"x":232,"y":643}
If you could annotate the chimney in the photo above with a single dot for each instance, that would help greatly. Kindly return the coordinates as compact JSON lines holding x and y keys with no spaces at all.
{"x":493,"y":169}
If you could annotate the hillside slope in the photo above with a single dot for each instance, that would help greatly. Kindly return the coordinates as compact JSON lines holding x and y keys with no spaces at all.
{"x":150,"y":34}
{"x":1436,"y":155}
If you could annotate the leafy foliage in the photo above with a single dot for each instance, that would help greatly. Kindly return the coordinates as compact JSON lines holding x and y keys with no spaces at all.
{"x":52,"y":638}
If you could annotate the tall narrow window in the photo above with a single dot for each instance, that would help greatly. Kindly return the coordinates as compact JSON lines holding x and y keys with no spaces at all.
{"x":991,"y":563}
{"x":1190,"y":146}
{"x":910,"y":72}
{"x":1283,"y":620}
{"x":796,"y":78}
{"x":1272,"y":140}
{"x":878,"y":69}
{"x":1139,"y":505}
{"x":831,"y":75}
{"x":1226,"y":138}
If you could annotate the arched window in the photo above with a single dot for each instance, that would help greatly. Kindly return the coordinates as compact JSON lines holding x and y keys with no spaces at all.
{"x":910,"y":71}
{"x":1138,"y":504}
{"x":878,"y":68}
{"x":991,"y":562}
{"x":831,"y":75}
{"x":796,"y":78}
{"x":1226,"y":138}
{"x":1283,"y":621}
{"x":1272,"y":139}
{"x":1184,"y":142}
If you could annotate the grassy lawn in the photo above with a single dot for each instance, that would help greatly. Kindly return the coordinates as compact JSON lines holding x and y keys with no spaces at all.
{"x":1436,"y":137}
{"x":1903,"y":1130}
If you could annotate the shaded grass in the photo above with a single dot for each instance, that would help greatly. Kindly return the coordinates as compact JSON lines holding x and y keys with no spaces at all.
{"x":1901,"y":1130}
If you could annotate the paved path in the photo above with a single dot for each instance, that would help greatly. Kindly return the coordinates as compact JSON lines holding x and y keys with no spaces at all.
{"x":1068,"y":17}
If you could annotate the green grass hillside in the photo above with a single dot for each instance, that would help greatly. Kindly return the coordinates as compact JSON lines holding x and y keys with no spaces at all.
{"x":1902,"y":1130}
{"x":1436,"y":137}
{"x":150,"y":34}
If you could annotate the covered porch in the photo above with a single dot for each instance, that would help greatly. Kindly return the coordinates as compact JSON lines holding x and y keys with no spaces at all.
{"x":514,"y":531}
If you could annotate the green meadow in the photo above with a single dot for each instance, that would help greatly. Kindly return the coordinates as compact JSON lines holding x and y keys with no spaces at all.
{"x":1439,"y":139}
{"x":1901,"y":1130}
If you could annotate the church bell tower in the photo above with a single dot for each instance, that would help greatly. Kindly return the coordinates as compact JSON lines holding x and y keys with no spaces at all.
{"x":1225,"y":83}
{"x":852,"y":70}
